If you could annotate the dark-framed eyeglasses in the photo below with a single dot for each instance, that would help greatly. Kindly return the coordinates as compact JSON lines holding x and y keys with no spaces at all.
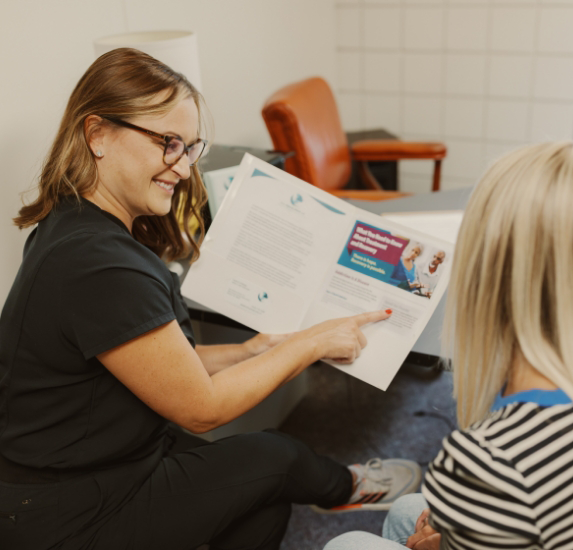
{"x":175,"y":147}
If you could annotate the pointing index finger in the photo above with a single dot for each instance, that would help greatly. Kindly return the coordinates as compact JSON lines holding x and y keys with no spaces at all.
{"x":372,"y":316}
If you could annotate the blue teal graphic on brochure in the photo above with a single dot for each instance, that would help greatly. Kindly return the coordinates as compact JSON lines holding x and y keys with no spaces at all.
{"x":257,"y":172}
{"x":331,"y":208}
{"x":295,"y":199}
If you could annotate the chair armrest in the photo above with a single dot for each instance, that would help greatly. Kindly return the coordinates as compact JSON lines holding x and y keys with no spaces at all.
{"x":386,"y":150}
{"x":368,"y":194}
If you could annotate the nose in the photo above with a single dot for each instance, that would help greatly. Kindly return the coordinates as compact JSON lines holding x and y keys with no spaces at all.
{"x":182,"y":168}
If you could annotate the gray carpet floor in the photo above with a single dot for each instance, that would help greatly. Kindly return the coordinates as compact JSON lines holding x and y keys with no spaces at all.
{"x":352,"y":421}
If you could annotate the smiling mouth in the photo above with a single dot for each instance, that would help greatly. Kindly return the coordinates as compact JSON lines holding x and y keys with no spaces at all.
{"x":165,"y":185}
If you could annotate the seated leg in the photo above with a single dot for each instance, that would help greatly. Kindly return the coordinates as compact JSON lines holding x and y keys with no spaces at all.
{"x":360,"y":540}
{"x":400,"y":522}
{"x":399,"y":525}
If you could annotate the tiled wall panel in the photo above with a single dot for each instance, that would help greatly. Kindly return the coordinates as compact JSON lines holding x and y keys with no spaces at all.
{"x":484,"y":76}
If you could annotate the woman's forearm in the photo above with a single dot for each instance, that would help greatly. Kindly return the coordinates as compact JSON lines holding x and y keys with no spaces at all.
{"x":218,"y":357}
{"x":240,"y":387}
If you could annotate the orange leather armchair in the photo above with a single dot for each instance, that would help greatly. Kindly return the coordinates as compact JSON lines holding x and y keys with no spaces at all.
{"x":303,"y":117}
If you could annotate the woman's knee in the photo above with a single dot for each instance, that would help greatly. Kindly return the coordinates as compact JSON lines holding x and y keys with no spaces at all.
{"x":401,"y":519}
{"x":359,"y":540}
{"x":411,"y":504}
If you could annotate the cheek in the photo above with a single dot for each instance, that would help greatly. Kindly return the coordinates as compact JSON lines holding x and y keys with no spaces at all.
{"x":138,"y":166}
{"x":142,"y":174}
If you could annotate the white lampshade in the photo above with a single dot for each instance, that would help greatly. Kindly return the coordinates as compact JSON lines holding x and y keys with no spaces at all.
{"x":177,"y":49}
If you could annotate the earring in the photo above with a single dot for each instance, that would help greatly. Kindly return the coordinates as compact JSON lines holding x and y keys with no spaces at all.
{"x":99,"y":153}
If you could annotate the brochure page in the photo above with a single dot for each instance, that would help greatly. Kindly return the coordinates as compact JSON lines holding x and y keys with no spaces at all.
{"x":268,"y":249}
{"x":382,"y":265}
{"x":282,"y":255}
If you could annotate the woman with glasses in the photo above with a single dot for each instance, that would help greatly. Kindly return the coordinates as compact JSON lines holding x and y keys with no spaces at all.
{"x":97,"y":352}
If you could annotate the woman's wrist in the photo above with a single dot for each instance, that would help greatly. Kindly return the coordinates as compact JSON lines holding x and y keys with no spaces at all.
{"x":264,"y":342}
{"x":310,"y":345}
{"x":252,"y":347}
{"x":300,"y":349}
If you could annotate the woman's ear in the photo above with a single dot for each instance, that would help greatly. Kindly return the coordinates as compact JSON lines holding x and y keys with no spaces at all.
{"x":94,"y":132}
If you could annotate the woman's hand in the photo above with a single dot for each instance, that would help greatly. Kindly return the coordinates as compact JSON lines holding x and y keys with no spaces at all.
{"x":422,"y":521}
{"x":338,"y":339}
{"x":342,"y":339}
{"x":425,"y":538}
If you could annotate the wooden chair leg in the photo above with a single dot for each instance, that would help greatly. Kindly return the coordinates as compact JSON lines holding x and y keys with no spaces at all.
{"x":368,"y":179}
{"x":370,"y":182}
{"x":437,"y":174}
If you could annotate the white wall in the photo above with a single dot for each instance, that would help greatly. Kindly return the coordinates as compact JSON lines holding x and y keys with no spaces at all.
{"x":248,"y":48}
{"x":484,"y":76}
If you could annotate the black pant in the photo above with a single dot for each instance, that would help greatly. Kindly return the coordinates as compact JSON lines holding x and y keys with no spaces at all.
{"x":235,"y":493}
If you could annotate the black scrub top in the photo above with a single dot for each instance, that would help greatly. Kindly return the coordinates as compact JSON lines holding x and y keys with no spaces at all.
{"x":84,"y":287}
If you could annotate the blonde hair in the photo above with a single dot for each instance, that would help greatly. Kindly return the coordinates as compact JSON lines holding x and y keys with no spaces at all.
{"x":411,"y":246}
{"x":120,"y":84}
{"x":510,"y":290}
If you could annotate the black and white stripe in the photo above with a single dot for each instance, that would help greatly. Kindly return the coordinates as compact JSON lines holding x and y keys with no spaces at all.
{"x":507,"y":482}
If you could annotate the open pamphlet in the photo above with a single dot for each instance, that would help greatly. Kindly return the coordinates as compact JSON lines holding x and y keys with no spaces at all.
{"x":282,"y":255}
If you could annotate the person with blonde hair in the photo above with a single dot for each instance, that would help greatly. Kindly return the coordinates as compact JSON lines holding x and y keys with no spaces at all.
{"x":97,"y":353}
{"x":504,"y":479}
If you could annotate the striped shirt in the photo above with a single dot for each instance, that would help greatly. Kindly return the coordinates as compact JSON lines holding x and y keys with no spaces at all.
{"x":507,"y":482}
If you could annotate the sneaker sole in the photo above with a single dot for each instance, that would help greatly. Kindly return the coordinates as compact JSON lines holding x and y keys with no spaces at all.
{"x":376,"y":507}
{"x":384,"y":505}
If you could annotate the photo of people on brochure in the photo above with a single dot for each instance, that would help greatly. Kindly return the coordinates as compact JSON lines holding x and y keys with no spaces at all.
{"x":412,"y":266}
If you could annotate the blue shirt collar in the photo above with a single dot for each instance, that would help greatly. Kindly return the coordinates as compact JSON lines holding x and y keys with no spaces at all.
{"x":545,"y":398}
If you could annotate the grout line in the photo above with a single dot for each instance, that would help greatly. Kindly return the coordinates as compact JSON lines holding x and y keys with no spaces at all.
{"x":437,"y":95}
{"x":438,"y":4}
{"x":487,"y":98}
{"x":125,"y":18}
{"x":532,"y":98}
{"x":362,"y":69}
{"x":401,"y":76}
{"x":439,"y":51}
{"x":443,"y":68}
{"x":468,"y":97}
{"x":469,"y":140}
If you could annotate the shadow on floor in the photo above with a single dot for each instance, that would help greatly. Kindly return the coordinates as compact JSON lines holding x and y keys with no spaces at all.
{"x":352,"y":421}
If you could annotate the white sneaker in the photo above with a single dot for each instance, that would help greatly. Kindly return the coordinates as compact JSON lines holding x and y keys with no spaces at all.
{"x":378,"y":484}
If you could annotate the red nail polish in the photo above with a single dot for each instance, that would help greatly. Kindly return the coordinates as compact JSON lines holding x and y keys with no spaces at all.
{"x":388,"y":311}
